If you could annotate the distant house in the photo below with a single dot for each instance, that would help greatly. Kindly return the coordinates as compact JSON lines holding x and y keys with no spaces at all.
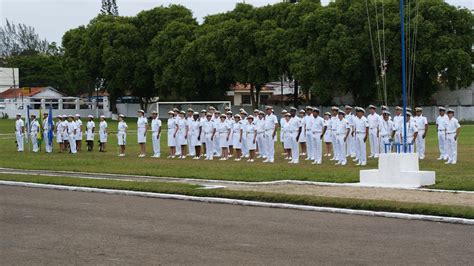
{"x":36,"y":93}
{"x":271,"y":93}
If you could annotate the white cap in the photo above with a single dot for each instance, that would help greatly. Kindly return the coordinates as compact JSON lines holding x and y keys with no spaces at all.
{"x":90,"y":116}
{"x":18,"y":114}
{"x":78,"y":115}
{"x":102,"y":116}
{"x":121,"y":115}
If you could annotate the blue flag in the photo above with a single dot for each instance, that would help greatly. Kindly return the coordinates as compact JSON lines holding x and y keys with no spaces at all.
{"x":50,"y":125}
{"x":27,"y":123}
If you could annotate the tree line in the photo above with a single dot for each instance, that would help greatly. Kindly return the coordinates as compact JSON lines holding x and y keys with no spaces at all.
{"x":326,"y":50}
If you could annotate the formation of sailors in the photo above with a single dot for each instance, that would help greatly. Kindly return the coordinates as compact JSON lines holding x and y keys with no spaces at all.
{"x":210,"y":134}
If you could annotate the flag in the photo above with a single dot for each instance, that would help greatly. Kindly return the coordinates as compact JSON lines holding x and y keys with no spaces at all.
{"x":28,"y":123}
{"x":50,"y":126}
{"x":39,"y":136}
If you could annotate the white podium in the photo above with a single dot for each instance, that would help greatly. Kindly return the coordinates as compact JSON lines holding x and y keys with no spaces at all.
{"x":397,"y":170}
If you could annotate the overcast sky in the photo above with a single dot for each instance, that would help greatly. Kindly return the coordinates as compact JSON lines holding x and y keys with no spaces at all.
{"x":52,"y":18}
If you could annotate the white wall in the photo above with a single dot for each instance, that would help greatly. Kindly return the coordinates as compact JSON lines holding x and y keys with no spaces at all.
{"x":6,"y":78}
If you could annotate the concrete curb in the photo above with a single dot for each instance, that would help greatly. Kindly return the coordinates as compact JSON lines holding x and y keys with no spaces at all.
{"x":406,"y":216}
{"x":200,"y":181}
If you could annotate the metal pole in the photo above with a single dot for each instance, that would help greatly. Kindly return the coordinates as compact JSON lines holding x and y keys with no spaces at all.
{"x":404,"y":87}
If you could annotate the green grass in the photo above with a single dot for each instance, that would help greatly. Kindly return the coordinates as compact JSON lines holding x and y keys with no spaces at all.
{"x":192,"y":190}
{"x":460,"y":176}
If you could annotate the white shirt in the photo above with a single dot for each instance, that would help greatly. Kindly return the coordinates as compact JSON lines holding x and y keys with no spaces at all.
{"x":441,"y":121}
{"x":142,"y":122}
{"x":194,"y":126}
{"x":250,"y":128}
{"x":71,"y":128}
{"x":397,"y":120}
{"x":46,"y":125}
{"x":333,"y":122}
{"x":181,"y":122}
{"x":452,"y":125}
{"x":237,"y":127}
{"x":155,"y":125}
{"x":34,"y":126}
{"x":102,"y":127}
{"x":360,"y":124}
{"x":79,"y":124}
{"x":208,"y":126}
{"x":171,"y":124}
{"x":60,"y":127}
{"x":294,"y":124}
{"x":306,"y":121}
{"x":270,"y":122}
{"x":19,"y":124}
{"x":122,"y":126}
{"x":223,"y":127}
{"x":341,"y":126}
{"x":374,"y":120}
{"x":411,"y":129}
{"x":89,"y":126}
{"x":260,"y":125}
{"x":386,"y":128}
{"x":317,"y":124}
{"x":420,"y":122}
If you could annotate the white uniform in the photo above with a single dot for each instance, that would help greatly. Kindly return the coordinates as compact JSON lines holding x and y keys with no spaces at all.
{"x":208,"y":127}
{"x":79,"y":130}
{"x":328,"y":134}
{"x":451,"y":143}
{"x":286,"y":133}
{"x":19,"y":125}
{"x":216,"y":144}
{"x":421,"y":123}
{"x":193,"y":137}
{"x":103,"y":132}
{"x":282,"y":123}
{"x":341,"y":130}
{"x":181,"y":138}
{"x":236,"y":139}
{"x":142,"y":123}
{"x":47,"y":143}
{"x":351,"y":139}
{"x":386,"y":131}
{"x":231,"y":123}
{"x":245,"y":149}
{"x":191,"y":149}
{"x":308,"y":121}
{"x":374,"y":121}
{"x":249,"y":131}
{"x":317,"y":127}
{"x":441,"y":122}
{"x":72,"y":131}
{"x":34,"y":129}
{"x":261,"y":143}
{"x":60,"y":132}
{"x":122,"y":133}
{"x":294,"y":127}
{"x":155,"y":138}
{"x":397,"y":121}
{"x":333,"y":123}
{"x":304,"y":120}
{"x":411,"y":130}
{"x":270,"y":122}
{"x":360,"y":130}
{"x":223,"y":133}
{"x":90,"y":126}
{"x":65,"y":132}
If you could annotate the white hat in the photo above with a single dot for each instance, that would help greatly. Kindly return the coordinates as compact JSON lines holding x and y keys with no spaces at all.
{"x":154,"y":112}
{"x":170,"y":112}
{"x":18,"y":114}
{"x":90,"y":116}
{"x":250,"y":117}
{"x":386,"y":112}
{"x":348,"y":107}
{"x":284,"y":111}
{"x":372,"y":106}
{"x":195,"y":113}
{"x":121,"y":115}
{"x":450,"y":110}
{"x":102,"y":116}
{"x":78,"y":115}
{"x":141,"y":111}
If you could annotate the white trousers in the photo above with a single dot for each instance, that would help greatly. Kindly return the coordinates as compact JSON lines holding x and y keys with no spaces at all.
{"x":261,"y":143}
{"x":442,"y":145}
{"x":48,"y":145}
{"x":361,"y":148}
{"x":34,"y":141}
{"x":351,"y":145}
{"x":373,"y":142}
{"x":295,"y":151}
{"x":384,"y":140}
{"x":156,"y":144}
{"x":72,"y":143}
{"x":420,"y":144}
{"x":341,"y":149}
{"x":209,"y":146}
{"x":269,"y":145}
{"x":309,"y":145}
{"x":191,"y":149}
{"x":334,"y":140}
{"x":317,"y":147}
{"x":245,"y":148}
{"x":452,"y":148}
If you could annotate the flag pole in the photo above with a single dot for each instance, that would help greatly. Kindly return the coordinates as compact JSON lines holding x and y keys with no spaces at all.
{"x":404,"y":87}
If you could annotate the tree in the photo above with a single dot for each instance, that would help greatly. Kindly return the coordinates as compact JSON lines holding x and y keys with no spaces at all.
{"x":109,"y":7}
{"x":20,"y":38}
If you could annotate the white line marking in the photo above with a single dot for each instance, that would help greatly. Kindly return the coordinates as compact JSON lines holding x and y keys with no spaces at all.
{"x":249,"y":203}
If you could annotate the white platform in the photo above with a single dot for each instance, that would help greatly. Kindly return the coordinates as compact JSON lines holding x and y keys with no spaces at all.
{"x":397,"y":170}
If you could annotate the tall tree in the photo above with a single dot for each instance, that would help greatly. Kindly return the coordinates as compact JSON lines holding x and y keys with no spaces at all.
{"x":20,"y":38}
{"x":109,"y":7}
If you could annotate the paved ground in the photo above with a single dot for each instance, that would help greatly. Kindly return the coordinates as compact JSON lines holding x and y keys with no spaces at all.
{"x":353,"y":192}
{"x":39,"y":226}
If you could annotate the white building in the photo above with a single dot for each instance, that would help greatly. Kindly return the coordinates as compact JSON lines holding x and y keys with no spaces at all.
{"x":9,"y":78}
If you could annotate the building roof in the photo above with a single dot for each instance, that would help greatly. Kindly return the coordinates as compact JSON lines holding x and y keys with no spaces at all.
{"x":32,"y":92}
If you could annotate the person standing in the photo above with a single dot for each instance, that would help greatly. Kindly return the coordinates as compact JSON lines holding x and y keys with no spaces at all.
{"x":19,"y":132}
{"x":271,"y":126}
{"x":230,"y":120}
{"x":361,"y":133}
{"x":237,"y":137}
{"x":422,"y":125}
{"x":282,"y":137}
{"x":216,"y":144}
{"x":122,"y":134}
{"x":295,"y":127}
{"x":102,"y":134}
{"x":303,"y":116}
{"x":223,"y":130}
{"x":251,"y":132}
{"x":172,"y":132}
{"x":328,"y":134}
{"x":351,"y":139}
{"x":60,"y":133}
{"x":441,"y":122}
{"x":342,"y":133}
{"x":452,"y":133}
{"x":195,"y":130}
{"x":209,"y":130}
{"x":318,"y":129}
{"x":34,"y":129}
{"x":245,"y":150}
{"x":387,"y":131}
{"x":78,"y":122}
{"x":67,"y":145}
{"x":189,"y":120}
{"x":260,"y":127}
{"x":286,"y":133}
{"x":46,"y":127}
{"x":155,"y":134}
{"x":412,"y":132}
{"x":142,"y":124}
{"x":374,"y":120}
{"x":71,"y":132}
{"x":182,"y":136}
{"x":397,"y":121}
{"x":307,"y":124}
{"x":333,"y":123}
{"x":90,"y":133}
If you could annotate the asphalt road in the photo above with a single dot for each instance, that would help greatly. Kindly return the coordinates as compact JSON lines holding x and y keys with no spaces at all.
{"x":40,"y":226}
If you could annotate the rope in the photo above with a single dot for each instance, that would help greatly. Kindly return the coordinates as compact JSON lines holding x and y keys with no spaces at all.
{"x":382,"y":62}
{"x":385,"y":63}
{"x":415,"y":33}
{"x":373,"y":51}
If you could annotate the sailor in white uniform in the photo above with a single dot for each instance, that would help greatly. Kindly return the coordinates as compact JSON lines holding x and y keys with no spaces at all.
{"x":230,"y":120}
{"x":102,"y":134}
{"x":209,"y":131}
{"x":374,"y":120}
{"x":216,"y":144}
{"x":46,"y":128}
{"x":245,"y":150}
{"x":452,"y":133}
{"x":223,"y":131}
{"x":397,"y":120}
{"x":422,"y":125}
{"x":155,"y":134}
{"x":318,"y":129}
{"x":361,"y":133}
{"x":386,"y":133}
{"x":90,"y":132}
{"x":295,"y":128}
{"x":78,"y":122}
{"x":286,"y":133}
{"x":441,"y":122}
{"x":195,"y":130}
{"x":307,"y":124}
{"x":172,"y":132}
{"x":65,"y":133}
{"x":237,"y":132}
{"x":71,"y":132}
{"x":333,"y":123}
{"x":142,"y":126}
{"x":60,"y":133}
{"x":271,"y":127}
{"x":202,"y":118}
{"x":328,"y":135}
{"x":261,"y":143}
{"x":19,"y":133}
{"x":182,"y":136}
{"x":412,"y":132}
{"x":304,"y":115}
{"x":34,"y":129}
{"x":282,"y":139}
{"x":189,"y":119}
{"x":251,"y":131}
{"x":122,"y":134}
{"x":350,"y":149}
{"x":342,"y":133}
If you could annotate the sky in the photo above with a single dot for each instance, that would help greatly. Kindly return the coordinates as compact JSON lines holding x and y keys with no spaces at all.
{"x":51,"y":18}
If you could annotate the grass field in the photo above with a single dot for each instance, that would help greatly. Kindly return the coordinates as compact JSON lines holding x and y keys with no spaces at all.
{"x":460,"y":176}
